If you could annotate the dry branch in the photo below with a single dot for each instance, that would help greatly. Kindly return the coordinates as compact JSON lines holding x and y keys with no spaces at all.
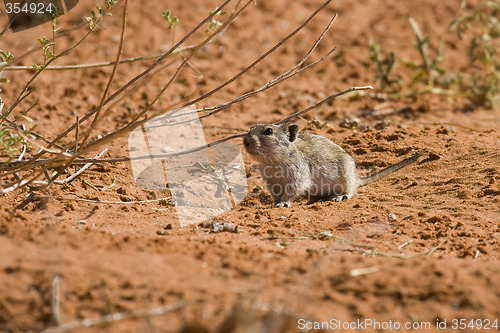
{"x":113,"y":317}
{"x":68,"y":155}
{"x":59,"y":160}
{"x":97,"y":64}
{"x":107,"y":319}
{"x":104,"y":202}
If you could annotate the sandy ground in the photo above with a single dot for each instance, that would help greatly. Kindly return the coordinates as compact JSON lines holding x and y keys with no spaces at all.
{"x":420,"y":246}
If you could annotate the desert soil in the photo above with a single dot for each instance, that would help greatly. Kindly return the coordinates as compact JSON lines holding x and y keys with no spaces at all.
{"x":421,"y":245}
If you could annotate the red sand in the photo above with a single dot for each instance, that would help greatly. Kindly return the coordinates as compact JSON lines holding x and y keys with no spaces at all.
{"x":250,"y":281}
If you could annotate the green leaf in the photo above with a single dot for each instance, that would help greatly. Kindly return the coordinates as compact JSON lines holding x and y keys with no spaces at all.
{"x":28,"y":119}
{"x":90,"y":21}
{"x":417,"y":78}
{"x":410,"y":64}
{"x":6,"y":56}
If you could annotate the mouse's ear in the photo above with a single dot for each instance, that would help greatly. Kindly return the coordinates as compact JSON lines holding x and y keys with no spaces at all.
{"x":293,"y":131}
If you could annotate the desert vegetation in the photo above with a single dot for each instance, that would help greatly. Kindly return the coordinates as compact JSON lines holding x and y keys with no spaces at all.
{"x":86,"y":248}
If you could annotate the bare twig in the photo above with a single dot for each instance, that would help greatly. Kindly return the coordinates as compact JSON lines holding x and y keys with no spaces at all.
{"x":56,"y":311}
{"x":111,"y":77}
{"x":288,"y":74}
{"x":97,"y":65}
{"x":89,"y":322}
{"x":134,"y":123}
{"x":77,"y":132}
{"x":82,"y":169}
{"x":405,"y":243}
{"x":323,"y":101}
{"x":26,"y":90}
{"x":19,"y":184}
{"x":63,"y":159}
{"x":274,"y":48}
{"x":235,"y":136}
{"x":103,"y":202}
{"x":28,"y":164}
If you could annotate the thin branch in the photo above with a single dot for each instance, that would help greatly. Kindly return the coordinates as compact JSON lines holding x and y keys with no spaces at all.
{"x":96,"y":65}
{"x":221,"y":107}
{"x":56,"y":311}
{"x":185,"y":62}
{"x":82,"y":169}
{"x":42,"y":148}
{"x":104,"y":202}
{"x":132,"y":126}
{"x":326,"y":100}
{"x":22,"y":181}
{"x":19,"y":184}
{"x":77,"y":132}
{"x":128,"y":84}
{"x":134,"y":123}
{"x":234,"y":78}
{"x":89,"y":322}
{"x":284,"y":76}
{"x":36,"y":135}
{"x":25,"y":92}
{"x":296,"y":114}
{"x":111,"y":77}
{"x":126,"y":159}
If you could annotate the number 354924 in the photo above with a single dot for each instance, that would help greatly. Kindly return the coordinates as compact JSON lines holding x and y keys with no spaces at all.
{"x":30,"y":8}
{"x":475,"y":324}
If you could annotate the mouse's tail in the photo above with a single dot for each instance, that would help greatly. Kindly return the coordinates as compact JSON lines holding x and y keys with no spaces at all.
{"x":388,"y":170}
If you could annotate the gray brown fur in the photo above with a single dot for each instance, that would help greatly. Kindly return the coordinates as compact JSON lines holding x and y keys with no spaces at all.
{"x":296,"y":165}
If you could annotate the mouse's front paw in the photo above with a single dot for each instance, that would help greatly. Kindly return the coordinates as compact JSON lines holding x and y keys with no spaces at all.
{"x":340,"y":198}
{"x":283,"y":204}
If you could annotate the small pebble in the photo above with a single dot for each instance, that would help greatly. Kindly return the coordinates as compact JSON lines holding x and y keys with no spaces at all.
{"x":434,"y":156}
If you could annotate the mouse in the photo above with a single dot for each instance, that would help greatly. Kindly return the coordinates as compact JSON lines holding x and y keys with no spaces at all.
{"x":297,"y":165}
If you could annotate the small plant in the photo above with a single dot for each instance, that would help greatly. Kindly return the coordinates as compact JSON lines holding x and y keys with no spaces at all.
{"x":427,"y":71}
{"x":46,"y":49}
{"x":384,"y":67}
{"x":172,"y":22}
{"x":5,"y":58}
{"x":50,"y":56}
{"x":214,"y":23}
{"x":481,"y":85}
{"x":13,"y":138}
{"x":95,"y":19}
{"x":483,"y":25}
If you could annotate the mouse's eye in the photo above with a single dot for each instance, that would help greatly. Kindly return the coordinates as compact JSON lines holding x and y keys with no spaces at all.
{"x":268,"y":131}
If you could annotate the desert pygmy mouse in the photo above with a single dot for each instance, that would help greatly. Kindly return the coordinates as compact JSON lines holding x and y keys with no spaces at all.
{"x":306,"y":165}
